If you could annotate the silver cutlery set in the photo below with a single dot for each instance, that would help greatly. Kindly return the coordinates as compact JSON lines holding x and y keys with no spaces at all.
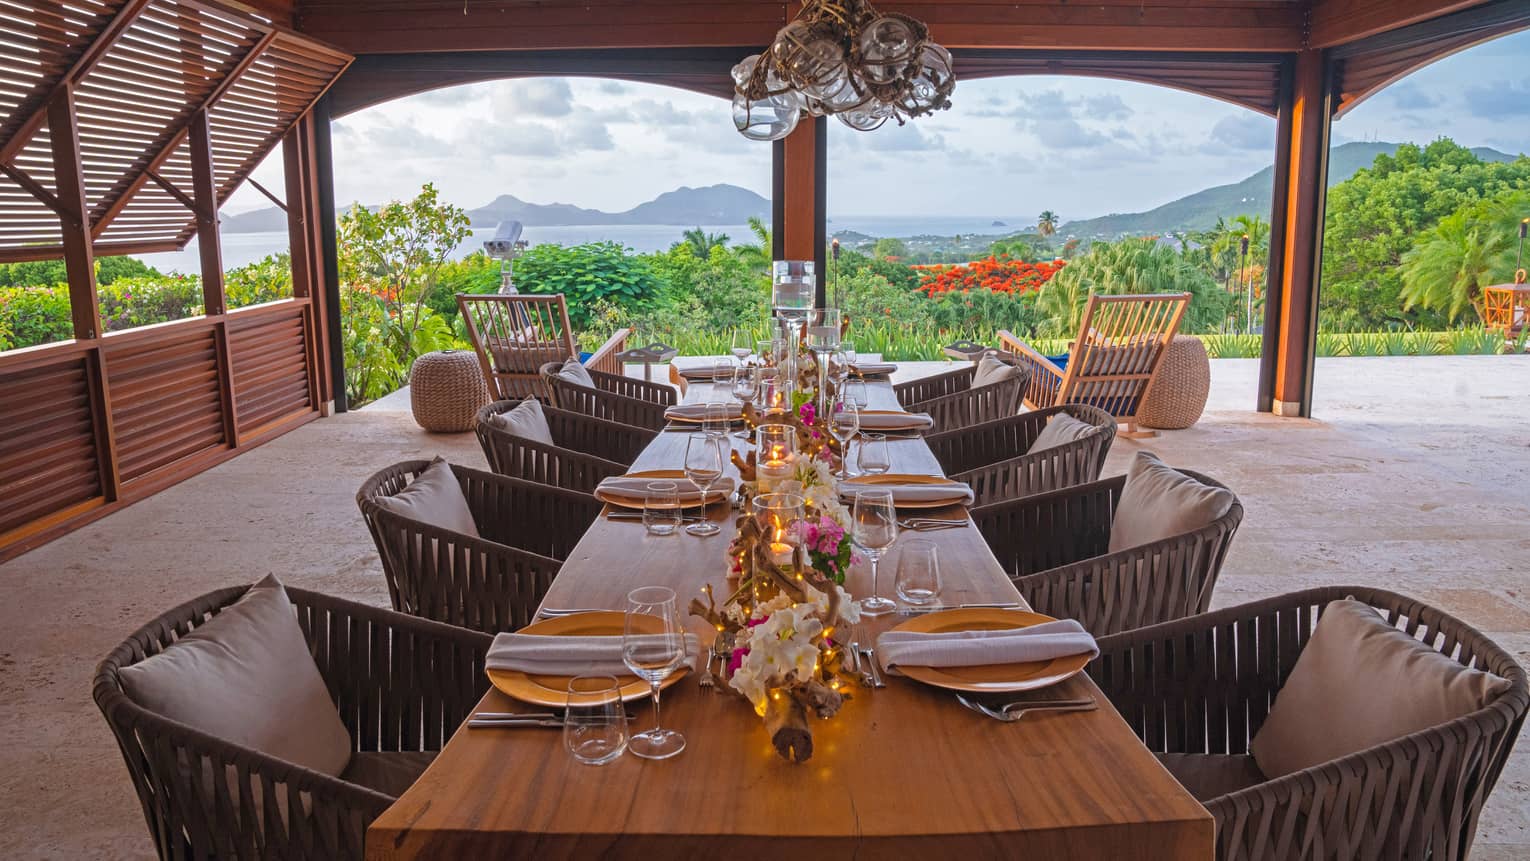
{"x":927,"y":524}
{"x":514,"y":720}
{"x":1010,"y":712}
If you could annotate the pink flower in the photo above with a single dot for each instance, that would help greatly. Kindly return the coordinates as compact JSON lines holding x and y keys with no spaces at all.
{"x":736,"y":660}
{"x":809,"y":413}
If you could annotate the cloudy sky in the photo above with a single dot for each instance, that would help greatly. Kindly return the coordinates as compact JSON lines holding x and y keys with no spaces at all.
{"x":1007,"y":149}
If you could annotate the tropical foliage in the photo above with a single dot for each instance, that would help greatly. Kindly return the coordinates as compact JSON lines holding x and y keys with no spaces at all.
{"x":1132,"y":266}
{"x":1467,"y":250}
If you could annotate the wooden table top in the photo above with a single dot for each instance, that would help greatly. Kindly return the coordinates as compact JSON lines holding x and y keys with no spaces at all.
{"x":903,"y":771}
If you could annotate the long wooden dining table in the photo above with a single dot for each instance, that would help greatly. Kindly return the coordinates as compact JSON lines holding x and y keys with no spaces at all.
{"x":901,"y":772}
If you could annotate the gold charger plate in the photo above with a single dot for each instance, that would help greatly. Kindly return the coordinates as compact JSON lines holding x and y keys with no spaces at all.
{"x":675,"y":475}
{"x":957,"y":497}
{"x":552,"y":691}
{"x":993,"y":678}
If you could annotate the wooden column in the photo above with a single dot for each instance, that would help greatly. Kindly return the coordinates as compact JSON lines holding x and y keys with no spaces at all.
{"x":323,"y":170}
{"x":1306,"y":117}
{"x":204,"y":193}
{"x":800,"y":174}
{"x":305,"y":245}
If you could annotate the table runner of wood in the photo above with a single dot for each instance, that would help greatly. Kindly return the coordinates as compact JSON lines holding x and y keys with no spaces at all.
{"x":903,"y":771}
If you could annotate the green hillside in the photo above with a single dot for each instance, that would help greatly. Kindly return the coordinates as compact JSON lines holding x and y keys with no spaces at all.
{"x":1200,"y":211}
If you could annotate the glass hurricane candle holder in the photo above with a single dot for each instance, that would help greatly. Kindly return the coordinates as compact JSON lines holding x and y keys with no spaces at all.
{"x":794,"y":284}
{"x":775,"y":455}
{"x":776,"y":513}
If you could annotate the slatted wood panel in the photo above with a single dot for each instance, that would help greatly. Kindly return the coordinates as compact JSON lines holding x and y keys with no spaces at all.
{"x":269,"y":354}
{"x":39,"y":42}
{"x":47,"y":442}
{"x":164,"y":398}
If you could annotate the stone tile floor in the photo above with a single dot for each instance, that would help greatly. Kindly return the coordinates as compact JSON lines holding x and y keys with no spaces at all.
{"x":1416,"y":476}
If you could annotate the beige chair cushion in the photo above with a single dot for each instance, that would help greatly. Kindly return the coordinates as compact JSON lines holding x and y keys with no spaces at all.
{"x":435,"y":498}
{"x":1206,"y":775}
{"x":526,"y":419}
{"x":247,"y":676}
{"x":389,"y":773}
{"x":992,"y":369}
{"x":1160,"y":502}
{"x":576,"y":373}
{"x":1061,"y":429}
{"x":1361,"y":682}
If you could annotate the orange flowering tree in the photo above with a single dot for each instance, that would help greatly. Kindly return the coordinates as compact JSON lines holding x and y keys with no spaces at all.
{"x":994,"y":274}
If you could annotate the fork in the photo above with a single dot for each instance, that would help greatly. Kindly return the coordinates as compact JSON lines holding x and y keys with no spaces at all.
{"x":918,"y":524}
{"x":1012,"y":712}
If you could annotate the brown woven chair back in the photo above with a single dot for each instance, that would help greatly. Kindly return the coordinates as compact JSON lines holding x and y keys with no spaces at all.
{"x":1054,"y":546}
{"x":995,"y":457}
{"x":399,"y":683}
{"x":614,"y":398}
{"x":491,"y":583}
{"x":514,"y":336}
{"x":585,"y":449}
{"x":964,"y":406}
{"x":1206,"y":684}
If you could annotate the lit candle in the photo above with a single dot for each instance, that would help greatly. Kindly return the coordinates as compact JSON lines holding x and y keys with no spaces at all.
{"x":775,"y":469}
{"x":780,"y":551}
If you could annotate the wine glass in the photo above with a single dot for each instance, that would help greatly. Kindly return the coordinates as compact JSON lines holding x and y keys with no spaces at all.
{"x":595,"y":722}
{"x":858,"y":393}
{"x":874,"y":527}
{"x":743,"y":345}
{"x":653,"y":648}
{"x":839,"y":368}
{"x":703,"y":466}
{"x":918,"y":579}
{"x":746,"y":381}
{"x":848,"y":348}
{"x":844,"y":423}
{"x":823,"y":330}
{"x":874,"y":458}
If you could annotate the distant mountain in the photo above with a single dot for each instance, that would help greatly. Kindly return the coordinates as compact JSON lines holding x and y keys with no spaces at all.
{"x":714,"y":204}
{"x":1252,"y":196}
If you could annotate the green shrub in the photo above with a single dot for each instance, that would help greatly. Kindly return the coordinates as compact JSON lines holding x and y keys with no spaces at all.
{"x":34,"y":315}
{"x":265,"y":280}
{"x":128,"y":303}
{"x":585,"y":273}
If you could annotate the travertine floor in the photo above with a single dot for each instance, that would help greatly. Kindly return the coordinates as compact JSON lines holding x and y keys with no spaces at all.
{"x":1416,"y":477}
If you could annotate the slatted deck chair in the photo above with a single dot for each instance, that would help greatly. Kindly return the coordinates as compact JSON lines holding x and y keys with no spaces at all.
{"x":996,"y":458}
{"x":1198,"y":690}
{"x":1121,"y":342}
{"x":491,"y":583}
{"x":1055,"y":547}
{"x":585,"y":449}
{"x":402,"y":686}
{"x":614,"y":397}
{"x":952,"y":402}
{"x":514,"y":335}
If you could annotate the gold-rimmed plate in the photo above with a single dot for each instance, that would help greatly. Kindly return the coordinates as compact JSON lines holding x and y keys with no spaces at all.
{"x":958,"y":495}
{"x":552,"y":691}
{"x":682,"y":486}
{"x":991,"y":678}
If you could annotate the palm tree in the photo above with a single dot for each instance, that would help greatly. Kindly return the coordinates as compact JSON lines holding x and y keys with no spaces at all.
{"x":756,"y":255}
{"x":1451,"y":264}
{"x":701,"y":242}
{"x":1046,"y":223}
{"x":1134,"y":265}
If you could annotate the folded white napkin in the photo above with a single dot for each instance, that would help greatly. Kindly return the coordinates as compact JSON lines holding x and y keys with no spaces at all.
{"x":953,"y":491}
{"x":871,"y":369}
{"x":637,"y":486}
{"x":542,"y":655}
{"x":1059,"y":639}
{"x":699,"y":373}
{"x":892,"y":420}
{"x":698,"y":412}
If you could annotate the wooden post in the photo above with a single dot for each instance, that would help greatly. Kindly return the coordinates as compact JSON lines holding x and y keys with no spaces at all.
{"x":799,"y":168}
{"x":323,"y":170}
{"x":1310,"y":112}
{"x":307,"y":257}
{"x":1275,"y":263}
{"x":204,"y":193}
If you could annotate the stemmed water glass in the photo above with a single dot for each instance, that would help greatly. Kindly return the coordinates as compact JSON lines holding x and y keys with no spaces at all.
{"x":874,"y":527}
{"x":844,"y":423}
{"x":848,"y":348}
{"x":653,"y":648}
{"x":742,"y":345}
{"x":746,"y":381}
{"x":704,"y":466}
{"x":874,"y":458}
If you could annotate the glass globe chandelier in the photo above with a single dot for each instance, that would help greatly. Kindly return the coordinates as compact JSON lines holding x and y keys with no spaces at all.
{"x":846,"y":59}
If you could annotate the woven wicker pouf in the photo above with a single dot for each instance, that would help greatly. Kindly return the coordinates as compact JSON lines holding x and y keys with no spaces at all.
{"x":1179,"y":393}
{"x":446,"y":390}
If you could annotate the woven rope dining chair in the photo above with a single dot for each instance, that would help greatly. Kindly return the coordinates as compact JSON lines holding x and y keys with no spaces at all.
{"x":1199,"y":689}
{"x":1054,"y":546}
{"x":995,"y":458}
{"x":585,"y":449}
{"x":952,"y":403}
{"x":401,"y":685}
{"x":491,"y":583}
{"x":614,"y":398}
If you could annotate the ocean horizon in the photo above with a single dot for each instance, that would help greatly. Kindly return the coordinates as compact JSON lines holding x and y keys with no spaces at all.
{"x":240,"y":249}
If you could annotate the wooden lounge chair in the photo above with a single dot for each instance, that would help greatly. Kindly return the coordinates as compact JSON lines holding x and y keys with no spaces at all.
{"x":996,"y":460}
{"x":402,"y":686}
{"x":614,"y":397}
{"x":490,"y":583}
{"x":952,"y":402}
{"x":1197,"y":691}
{"x":516,"y":334}
{"x":585,"y":449}
{"x":1054,"y":546}
{"x":1121,"y":342}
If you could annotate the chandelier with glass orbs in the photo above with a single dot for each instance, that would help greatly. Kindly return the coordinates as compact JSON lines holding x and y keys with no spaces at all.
{"x":841,"y":57}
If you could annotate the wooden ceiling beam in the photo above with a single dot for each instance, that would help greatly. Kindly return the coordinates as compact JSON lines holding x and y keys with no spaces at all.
{"x":1338,"y":22}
